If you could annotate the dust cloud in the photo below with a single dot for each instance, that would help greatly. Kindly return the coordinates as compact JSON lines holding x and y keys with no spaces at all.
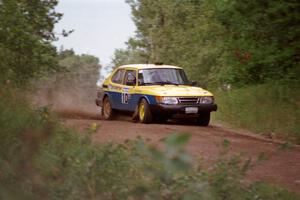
{"x":68,"y":96}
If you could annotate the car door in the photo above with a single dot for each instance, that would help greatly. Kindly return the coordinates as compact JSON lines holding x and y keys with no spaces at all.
{"x":116,"y":88}
{"x":128,"y":99}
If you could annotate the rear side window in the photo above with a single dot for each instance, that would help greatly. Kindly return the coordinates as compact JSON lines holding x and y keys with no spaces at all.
{"x":118,"y":76}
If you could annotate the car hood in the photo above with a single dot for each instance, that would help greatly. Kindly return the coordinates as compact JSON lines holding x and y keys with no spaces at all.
{"x":173,"y":90}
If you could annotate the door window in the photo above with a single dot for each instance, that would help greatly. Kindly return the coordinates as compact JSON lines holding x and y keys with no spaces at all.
{"x":130,"y":78}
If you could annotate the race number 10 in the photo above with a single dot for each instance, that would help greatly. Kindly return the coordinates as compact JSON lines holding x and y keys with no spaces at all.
{"x":124,"y":98}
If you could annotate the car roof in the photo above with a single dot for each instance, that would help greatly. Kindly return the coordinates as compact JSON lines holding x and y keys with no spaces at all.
{"x":147,"y":66}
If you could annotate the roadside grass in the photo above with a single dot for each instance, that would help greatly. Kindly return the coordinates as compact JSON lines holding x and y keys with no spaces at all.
{"x":270,"y":109}
{"x":42,"y":159}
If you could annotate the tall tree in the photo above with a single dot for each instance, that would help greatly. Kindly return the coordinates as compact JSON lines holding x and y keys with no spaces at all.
{"x":26,"y":33}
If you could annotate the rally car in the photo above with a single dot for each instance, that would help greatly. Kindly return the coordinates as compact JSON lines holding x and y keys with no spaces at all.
{"x":154,"y":92}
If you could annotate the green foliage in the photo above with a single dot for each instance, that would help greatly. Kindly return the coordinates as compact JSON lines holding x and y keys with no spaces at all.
{"x":227,"y":174}
{"x":220,"y":41}
{"x":73,"y":63}
{"x":26,"y":33}
{"x":130,"y":55}
{"x":262,"y":40}
{"x":179,"y":33}
{"x":265,"y":191}
{"x":271,"y":109}
{"x":39,"y":158}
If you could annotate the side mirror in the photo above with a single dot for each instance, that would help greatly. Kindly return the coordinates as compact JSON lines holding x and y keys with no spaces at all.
{"x":140,"y":82}
{"x":194,"y":83}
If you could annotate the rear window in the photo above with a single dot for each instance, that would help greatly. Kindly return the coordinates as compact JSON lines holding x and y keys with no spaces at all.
{"x":118,"y":76}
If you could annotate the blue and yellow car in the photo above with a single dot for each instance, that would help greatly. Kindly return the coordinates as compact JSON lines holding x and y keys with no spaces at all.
{"x":154,"y":92}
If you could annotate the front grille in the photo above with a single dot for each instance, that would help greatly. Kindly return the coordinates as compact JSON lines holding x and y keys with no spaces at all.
{"x":188,"y":100}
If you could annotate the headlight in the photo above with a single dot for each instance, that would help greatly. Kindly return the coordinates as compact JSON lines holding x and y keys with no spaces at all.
{"x":167,"y":100}
{"x":206,"y":100}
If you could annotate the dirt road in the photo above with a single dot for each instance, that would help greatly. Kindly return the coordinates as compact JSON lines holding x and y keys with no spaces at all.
{"x":282,"y":166}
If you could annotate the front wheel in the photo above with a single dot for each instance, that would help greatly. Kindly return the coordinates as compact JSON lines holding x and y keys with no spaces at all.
{"x":107,"y":111}
{"x":204,"y":118}
{"x":144,"y":114}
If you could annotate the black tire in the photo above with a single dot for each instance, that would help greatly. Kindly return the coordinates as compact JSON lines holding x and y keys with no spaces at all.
{"x":204,"y":118}
{"x":107,"y":111}
{"x":144,"y":112}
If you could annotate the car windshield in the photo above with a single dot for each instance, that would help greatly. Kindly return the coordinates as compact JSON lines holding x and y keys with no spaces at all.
{"x":162,"y":76}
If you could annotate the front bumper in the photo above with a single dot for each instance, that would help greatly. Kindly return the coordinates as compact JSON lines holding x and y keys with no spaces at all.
{"x":162,"y":109}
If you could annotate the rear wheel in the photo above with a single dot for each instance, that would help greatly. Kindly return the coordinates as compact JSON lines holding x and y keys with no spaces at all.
{"x":107,"y":111}
{"x":204,"y":118}
{"x":145,"y":114}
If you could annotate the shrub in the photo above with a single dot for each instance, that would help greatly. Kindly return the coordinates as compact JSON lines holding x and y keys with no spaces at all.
{"x":270,"y":109}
